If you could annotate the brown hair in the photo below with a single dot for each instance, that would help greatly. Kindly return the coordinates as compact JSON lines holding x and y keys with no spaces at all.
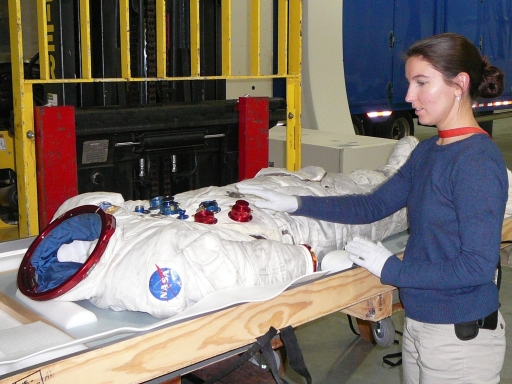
{"x":451,"y":54}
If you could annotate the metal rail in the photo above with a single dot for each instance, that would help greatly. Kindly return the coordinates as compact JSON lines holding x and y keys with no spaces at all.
{"x":289,"y":67}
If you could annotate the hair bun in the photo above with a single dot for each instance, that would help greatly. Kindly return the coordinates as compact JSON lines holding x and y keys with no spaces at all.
{"x":485,"y":63}
{"x":493,"y":80}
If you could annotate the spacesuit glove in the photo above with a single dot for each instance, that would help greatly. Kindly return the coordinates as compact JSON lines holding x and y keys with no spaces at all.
{"x":272,"y":200}
{"x":368,"y":255}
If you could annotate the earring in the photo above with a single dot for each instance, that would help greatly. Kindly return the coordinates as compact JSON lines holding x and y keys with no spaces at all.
{"x":458,"y":98}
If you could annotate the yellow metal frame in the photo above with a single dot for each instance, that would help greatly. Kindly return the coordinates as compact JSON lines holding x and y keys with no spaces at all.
{"x":24,"y":143}
{"x":289,"y":67}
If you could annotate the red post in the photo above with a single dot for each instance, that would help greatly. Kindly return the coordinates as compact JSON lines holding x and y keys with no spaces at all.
{"x":57,"y":178}
{"x":252,"y":136}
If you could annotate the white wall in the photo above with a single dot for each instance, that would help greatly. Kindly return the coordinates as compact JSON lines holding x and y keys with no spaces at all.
{"x":324,"y":102}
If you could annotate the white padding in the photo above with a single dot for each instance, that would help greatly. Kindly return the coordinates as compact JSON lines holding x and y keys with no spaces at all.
{"x":10,"y":260}
{"x":7,"y":321}
{"x":77,"y":251}
{"x":63,"y":314}
{"x":28,"y":341}
{"x":336,"y":261}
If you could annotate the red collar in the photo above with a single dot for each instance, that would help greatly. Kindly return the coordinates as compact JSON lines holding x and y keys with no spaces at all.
{"x":460,"y":131}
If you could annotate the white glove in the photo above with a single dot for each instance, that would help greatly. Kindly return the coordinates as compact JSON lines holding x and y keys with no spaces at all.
{"x":368,"y":254}
{"x":272,"y":200}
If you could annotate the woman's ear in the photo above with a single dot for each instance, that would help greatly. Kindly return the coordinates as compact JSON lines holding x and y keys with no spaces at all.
{"x":462,"y":81}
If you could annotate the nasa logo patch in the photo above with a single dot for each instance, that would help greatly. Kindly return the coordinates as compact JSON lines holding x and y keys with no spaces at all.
{"x":165,"y":284}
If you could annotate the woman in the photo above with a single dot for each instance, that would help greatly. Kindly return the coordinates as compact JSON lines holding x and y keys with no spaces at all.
{"x":454,"y":186}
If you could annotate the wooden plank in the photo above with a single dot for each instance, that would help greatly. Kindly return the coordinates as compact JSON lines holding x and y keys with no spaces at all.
{"x":397,"y":307}
{"x":372,"y":309}
{"x":165,"y":350}
{"x":174,"y":380}
{"x":365,"y":330}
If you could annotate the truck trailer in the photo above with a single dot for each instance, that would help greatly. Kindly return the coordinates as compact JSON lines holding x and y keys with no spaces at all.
{"x":377,"y":33}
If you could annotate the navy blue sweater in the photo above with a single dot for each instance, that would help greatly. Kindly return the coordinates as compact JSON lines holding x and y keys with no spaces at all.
{"x":455,"y":196}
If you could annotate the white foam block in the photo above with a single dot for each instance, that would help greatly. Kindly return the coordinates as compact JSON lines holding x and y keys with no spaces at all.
{"x":64,"y":314}
{"x":7,"y":321}
{"x":10,"y":261}
{"x":12,"y":252}
{"x":19,"y":344}
{"x":336,"y":261}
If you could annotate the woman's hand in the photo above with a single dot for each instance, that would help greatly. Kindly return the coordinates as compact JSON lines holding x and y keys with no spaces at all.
{"x":368,"y":255}
{"x":272,"y":200}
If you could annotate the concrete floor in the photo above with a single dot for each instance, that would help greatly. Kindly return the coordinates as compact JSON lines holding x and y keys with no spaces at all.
{"x":334,"y":354}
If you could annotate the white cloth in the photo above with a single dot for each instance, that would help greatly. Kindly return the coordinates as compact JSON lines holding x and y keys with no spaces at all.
{"x":77,"y":251}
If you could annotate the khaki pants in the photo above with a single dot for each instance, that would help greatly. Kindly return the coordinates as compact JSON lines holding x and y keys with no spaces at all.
{"x":432,"y":354}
